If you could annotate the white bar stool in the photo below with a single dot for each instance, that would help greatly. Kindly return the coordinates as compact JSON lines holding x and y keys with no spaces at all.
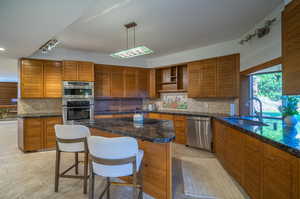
{"x":115,"y":157}
{"x":71,"y":139}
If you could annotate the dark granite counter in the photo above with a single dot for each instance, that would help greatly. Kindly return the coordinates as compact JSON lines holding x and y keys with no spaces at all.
{"x":160,"y":131}
{"x":275,"y":133}
{"x":34,"y":115}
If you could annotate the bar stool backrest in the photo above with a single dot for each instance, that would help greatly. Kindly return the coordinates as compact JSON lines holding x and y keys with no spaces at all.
{"x":111,"y":151}
{"x":71,"y":132}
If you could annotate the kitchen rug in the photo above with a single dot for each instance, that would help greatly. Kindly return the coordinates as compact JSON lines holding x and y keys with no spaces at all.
{"x":204,"y":178}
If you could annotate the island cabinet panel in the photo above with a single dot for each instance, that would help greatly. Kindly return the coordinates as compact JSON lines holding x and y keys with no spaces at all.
{"x":253,"y":165}
{"x":37,"y":133}
{"x":70,"y":71}
{"x":130,"y":82}
{"x":291,"y":48}
{"x":32,"y":85}
{"x":180,"y":125}
{"x":102,"y":81}
{"x":280,"y":178}
{"x":228,"y":76}
{"x":117,"y":82}
{"x":157,"y":166}
{"x":234,"y":153}
{"x":53,"y":79}
{"x":78,"y":71}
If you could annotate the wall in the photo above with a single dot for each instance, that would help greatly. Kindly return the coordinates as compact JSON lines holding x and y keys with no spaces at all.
{"x":98,"y":58}
{"x":39,"y":106}
{"x":255,"y":52}
{"x":8,"y":69}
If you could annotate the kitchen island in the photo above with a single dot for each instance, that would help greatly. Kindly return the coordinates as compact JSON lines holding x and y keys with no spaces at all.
{"x":155,"y":138}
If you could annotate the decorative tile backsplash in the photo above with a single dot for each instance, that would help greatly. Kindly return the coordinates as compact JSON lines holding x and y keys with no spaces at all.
{"x":39,"y":106}
{"x":174,"y":101}
{"x":171,"y":101}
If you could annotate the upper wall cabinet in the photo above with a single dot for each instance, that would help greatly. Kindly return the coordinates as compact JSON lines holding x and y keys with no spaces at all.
{"x":114,"y":81}
{"x":291,"y":48}
{"x":78,"y":71}
{"x":214,"y":78}
{"x":40,"y":78}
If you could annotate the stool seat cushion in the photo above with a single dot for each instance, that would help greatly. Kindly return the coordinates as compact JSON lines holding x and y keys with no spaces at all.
{"x":118,"y":170}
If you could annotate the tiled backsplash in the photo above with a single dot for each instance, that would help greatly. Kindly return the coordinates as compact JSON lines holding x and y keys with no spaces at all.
{"x":196,"y":105}
{"x":118,"y":104}
{"x":39,"y":106}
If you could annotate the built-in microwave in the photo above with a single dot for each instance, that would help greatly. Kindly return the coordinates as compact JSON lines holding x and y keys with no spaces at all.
{"x":75,"y":89}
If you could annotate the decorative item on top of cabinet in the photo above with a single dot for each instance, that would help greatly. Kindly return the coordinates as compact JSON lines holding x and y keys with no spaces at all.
{"x":37,"y":133}
{"x":291,"y":48}
{"x":40,"y":78}
{"x":78,"y":71}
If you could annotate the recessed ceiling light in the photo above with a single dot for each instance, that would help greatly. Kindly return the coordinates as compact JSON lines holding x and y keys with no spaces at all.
{"x":2,"y":49}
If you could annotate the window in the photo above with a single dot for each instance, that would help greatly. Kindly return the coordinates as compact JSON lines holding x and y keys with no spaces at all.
{"x":268,"y":88}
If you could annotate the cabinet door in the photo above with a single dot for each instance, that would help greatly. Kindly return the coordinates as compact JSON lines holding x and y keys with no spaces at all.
{"x":291,"y":48}
{"x":143,"y":82}
{"x":102,"y":81}
{"x":234,"y":153}
{"x":117,"y":82}
{"x":32,"y":79}
{"x":207,"y":87}
{"x":194,"y":79}
{"x":49,"y":132}
{"x":52,"y":79}
{"x":280,"y":179}
{"x":130,"y":82}
{"x":227,"y":76}
{"x":85,"y":71}
{"x":70,"y":71}
{"x":219,"y":140}
{"x":152,"y":84}
{"x":253,"y":167}
{"x":33,"y":134}
{"x":154,"y":115}
{"x":180,"y":129}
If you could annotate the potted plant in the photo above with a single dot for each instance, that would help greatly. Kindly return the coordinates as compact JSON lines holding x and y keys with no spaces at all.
{"x":289,"y":110}
{"x":3,"y":113}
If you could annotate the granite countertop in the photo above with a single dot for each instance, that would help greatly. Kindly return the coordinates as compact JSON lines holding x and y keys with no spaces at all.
{"x":34,"y":115}
{"x":160,"y":131}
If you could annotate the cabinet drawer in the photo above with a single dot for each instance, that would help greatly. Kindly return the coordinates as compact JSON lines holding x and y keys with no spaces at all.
{"x":166,"y":117}
{"x":103,"y":116}
{"x":179,"y":118}
{"x":179,"y":124}
{"x":154,"y":115}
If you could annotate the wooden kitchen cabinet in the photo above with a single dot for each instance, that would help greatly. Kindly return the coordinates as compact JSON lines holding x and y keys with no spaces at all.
{"x":78,"y":71}
{"x":40,"y":78}
{"x":130,"y":82}
{"x":253,"y":164}
{"x":117,"y":82}
{"x":102,"y":81}
{"x":219,"y":142}
{"x":280,"y":177}
{"x":143,"y":82}
{"x":31,"y":73}
{"x":291,"y":48}
{"x":153,"y":84}
{"x":228,"y":68}
{"x":214,"y":78}
{"x":37,"y":133}
{"x":180,"y":125}
{"x":52,"y":79}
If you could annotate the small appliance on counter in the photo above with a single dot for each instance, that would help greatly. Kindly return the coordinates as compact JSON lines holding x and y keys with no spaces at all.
{"x":152,"y":107}
{"x":78,"y":101}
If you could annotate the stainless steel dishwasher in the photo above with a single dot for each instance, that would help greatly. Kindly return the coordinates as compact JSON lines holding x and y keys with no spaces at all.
{"x":199,"y":132}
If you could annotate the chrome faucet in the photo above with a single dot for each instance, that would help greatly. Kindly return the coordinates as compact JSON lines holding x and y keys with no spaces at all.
{"x":258,"y":114}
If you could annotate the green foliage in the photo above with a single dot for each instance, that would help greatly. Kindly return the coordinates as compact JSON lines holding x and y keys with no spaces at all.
{"x":270,"y":85}
{"x":3,"y":113}
{"x":290,"y":106}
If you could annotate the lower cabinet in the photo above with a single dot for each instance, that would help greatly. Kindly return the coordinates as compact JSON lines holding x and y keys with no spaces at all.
{"x":37,"y":133}
{"x":179,"y":122}
{"x":264,"y":171}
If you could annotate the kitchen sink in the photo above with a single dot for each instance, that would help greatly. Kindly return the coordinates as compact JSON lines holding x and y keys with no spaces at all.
{"x":245,"y":121}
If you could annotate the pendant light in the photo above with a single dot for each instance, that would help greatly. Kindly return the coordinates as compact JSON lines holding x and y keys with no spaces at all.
{"x":135,"y":51}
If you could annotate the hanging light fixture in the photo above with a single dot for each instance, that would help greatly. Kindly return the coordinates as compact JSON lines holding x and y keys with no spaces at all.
{"x":135,"y":51}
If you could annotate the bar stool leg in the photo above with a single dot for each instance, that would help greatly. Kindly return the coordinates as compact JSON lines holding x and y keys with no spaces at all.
{"x":57,"y":167}
{"x":76,"y":163}
{"x":108,"y":188}
{"x":85,"y":175}
{"x":91,"y":182}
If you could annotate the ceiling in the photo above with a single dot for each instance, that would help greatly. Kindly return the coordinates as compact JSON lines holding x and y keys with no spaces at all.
{"x":166,"y":26}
